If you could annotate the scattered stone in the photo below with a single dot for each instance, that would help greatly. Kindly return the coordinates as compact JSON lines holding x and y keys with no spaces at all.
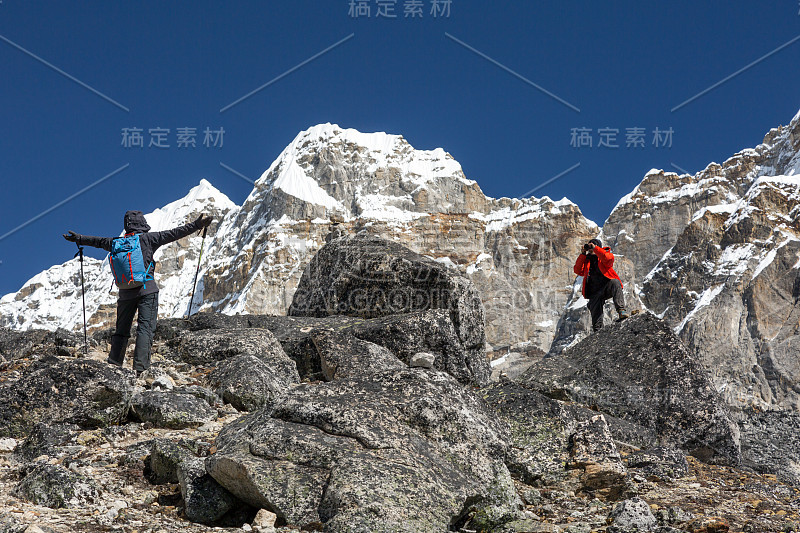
{"x":592,"y":449}
{"x":174,"y":409}
{"x":631,"y":515}
{"x":210,"y":346}
{"x":37,"y":343}
{"x":10,"y":524}
{"x":161,"y":466}
{"x":422,"y":360}
{"x":673,"y":516}
{"x":265,"y":521}
{"x":46,"y":439}
{"x":158,"y":379}
{"x":8,"y":445}
{"x":52,"y":485}
{"x":708,"y":524}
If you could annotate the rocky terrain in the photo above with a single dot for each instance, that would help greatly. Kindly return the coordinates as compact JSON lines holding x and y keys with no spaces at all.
{"x":362,"y":413}
{"x":714,"y":254}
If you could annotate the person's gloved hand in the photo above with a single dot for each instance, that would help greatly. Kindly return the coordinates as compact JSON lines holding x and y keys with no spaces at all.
{"x":203,"y":221}
{"x":71,"y":236}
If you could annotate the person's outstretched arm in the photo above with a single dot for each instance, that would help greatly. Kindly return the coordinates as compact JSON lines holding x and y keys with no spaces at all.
{"x":160,"y":238}
{"x":88,"y":240}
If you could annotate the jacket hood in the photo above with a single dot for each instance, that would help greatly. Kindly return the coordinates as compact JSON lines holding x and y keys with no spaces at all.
{"x":135,"y":222}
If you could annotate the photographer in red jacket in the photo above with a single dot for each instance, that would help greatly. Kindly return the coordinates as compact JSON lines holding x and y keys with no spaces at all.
{"x":600,"y":282}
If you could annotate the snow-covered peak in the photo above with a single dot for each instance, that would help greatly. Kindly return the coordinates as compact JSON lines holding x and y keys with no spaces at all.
{"x":199,"y":197}
{"x":360,"y":155}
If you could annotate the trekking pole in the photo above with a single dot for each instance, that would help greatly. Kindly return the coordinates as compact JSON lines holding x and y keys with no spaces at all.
{"x":83,"y":298}
{"x":199,"y":258}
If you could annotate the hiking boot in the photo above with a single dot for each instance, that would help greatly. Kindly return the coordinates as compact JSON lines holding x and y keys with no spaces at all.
{"x":622,"y":315}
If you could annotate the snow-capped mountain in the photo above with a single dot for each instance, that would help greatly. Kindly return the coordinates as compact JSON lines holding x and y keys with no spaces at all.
{"x":715,"y":254}
{"x":374,"y":182}
{"x":379,"y":183}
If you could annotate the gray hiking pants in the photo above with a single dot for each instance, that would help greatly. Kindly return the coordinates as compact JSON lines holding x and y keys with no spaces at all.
{"x":147,"y":306}
{"x":612,"y":289}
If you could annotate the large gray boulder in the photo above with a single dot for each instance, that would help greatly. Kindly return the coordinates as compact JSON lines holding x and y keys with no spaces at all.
{"x":171,"y":409}
{"x":639,"y":371}
{"x":248,"y":382}
{"x":408,"y":450}
{"x":367,"y":276}
{"x":343,"y":355}
{"x":84,"y":392}
{"x":209,"y":346}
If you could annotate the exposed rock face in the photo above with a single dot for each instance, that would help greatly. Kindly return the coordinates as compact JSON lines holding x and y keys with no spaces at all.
{"x":84,"y":392}
{"x":343,"y":355}
{"x":394,"y":451}
{"x":403,"y":335}
{"x":367,"y":276}
{"x":640,"y":371}
{"x":248,"y":382}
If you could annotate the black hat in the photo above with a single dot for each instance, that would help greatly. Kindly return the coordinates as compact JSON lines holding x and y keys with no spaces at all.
{"x":596,"y":242}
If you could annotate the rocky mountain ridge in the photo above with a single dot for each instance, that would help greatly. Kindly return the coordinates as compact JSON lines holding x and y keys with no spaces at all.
{"x":715,"y":254}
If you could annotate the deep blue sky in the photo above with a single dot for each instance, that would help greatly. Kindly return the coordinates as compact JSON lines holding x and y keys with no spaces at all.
{"x":175,"y":64}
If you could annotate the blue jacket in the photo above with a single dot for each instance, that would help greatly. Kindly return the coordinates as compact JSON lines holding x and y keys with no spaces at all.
{"x":149,"y":241}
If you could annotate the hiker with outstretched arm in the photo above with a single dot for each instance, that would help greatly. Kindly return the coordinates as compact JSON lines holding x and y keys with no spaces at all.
{"x":132,"y":265}
{"x":600,"y":282}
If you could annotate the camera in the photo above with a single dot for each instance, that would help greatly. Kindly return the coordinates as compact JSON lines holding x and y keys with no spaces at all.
{"x":587,"y":247}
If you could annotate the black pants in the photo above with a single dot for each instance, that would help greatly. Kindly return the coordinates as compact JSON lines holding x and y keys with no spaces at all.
{"x":147,"y":306}
{"x":612,"y":289}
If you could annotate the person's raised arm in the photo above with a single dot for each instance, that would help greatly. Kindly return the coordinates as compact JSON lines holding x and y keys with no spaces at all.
{"x":88,"y":240}
{"x":604,"y":256}
{"x":160,"y":238}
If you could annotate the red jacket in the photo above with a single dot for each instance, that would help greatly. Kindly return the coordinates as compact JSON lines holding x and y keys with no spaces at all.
{"x":605,"y":261}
